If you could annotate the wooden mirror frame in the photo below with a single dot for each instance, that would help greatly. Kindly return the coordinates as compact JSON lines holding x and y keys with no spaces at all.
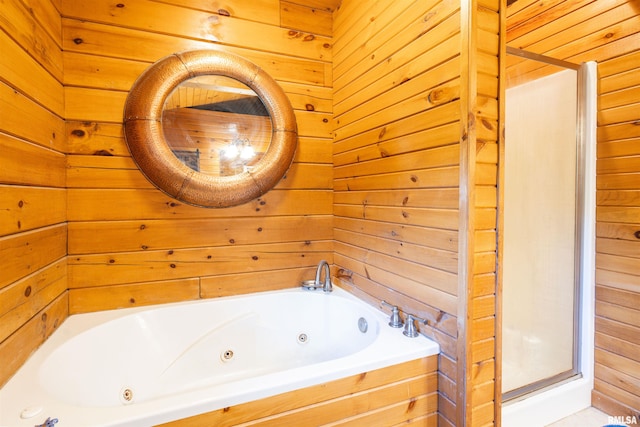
{"x":151,"y":152}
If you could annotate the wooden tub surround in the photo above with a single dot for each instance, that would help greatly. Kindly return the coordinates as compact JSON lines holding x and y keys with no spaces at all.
{"x":405,"y":394}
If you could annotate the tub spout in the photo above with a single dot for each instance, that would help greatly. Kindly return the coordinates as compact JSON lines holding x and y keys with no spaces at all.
{"x":326,"y":286}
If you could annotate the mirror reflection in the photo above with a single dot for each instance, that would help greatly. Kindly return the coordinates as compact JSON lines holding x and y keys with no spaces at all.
{"x":216,"y":125}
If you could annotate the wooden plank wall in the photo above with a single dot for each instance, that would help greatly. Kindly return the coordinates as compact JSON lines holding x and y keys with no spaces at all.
{"x":129,"y":244}
{"x":65,"y":71}
{"x":33,"y":297}
{"x":617,"y":354}
{"x":399,"y":395}
{"x":484,"y":114}
{"x":414,"y":119}
{"x":609,"y":33}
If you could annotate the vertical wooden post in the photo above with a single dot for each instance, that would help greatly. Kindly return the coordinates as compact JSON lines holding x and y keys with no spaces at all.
{"x":466,"y":247}
{"x":500,"y":204}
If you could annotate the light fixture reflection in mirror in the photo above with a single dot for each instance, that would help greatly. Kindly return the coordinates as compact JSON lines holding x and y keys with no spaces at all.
{"x":191,"y":159}
{"x":216,"y":125}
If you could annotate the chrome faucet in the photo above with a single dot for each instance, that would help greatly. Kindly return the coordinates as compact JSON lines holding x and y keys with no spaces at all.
{"x":394,"y":321}
{"x":410,"y":329}
{"x":326,"y":286}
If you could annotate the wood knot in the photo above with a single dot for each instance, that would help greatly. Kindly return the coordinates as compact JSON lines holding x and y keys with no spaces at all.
{"x":472,"y":119}
{"x":223,"y":12}
{"x":78,"y":132}
{"x":102,"y":153}
{"x":637,"y":234}
{"x":78,"y":40}
{"x":309,"y":107}
{"x":428,"y":16}
{"x":412,"y":403}
{"x":435,"y":95}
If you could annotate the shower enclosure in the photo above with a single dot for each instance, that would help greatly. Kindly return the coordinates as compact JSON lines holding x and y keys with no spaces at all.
{"x":547,"y":238}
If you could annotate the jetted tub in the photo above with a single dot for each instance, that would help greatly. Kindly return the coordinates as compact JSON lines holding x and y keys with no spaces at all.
{"x":155,"y":364}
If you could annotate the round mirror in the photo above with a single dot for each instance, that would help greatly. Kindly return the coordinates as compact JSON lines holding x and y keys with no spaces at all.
{"x":216,"y":125}
{"x":210,"y":128}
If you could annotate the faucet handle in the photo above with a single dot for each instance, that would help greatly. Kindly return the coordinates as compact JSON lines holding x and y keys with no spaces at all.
{"x":394,"y":321}
{"x":410,"y":329}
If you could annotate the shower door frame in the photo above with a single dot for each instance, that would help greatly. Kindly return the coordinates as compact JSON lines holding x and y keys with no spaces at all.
{"x":579,"y":235}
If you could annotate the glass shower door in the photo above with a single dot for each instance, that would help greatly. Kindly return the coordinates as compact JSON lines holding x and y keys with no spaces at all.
{"x":541,"y":246}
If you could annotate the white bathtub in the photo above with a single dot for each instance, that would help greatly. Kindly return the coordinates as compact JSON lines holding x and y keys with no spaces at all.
{"x":149,"y":365}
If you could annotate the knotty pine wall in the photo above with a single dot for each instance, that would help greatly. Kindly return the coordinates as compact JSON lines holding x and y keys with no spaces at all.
{"x":609,"y":33}
{"x":130,"y":244}
{"x":33,"y":229}
{"x":69,"y":187}
{"x":415,"y":174}
{"x":115,"y":215}
{"x":617,"y":354}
